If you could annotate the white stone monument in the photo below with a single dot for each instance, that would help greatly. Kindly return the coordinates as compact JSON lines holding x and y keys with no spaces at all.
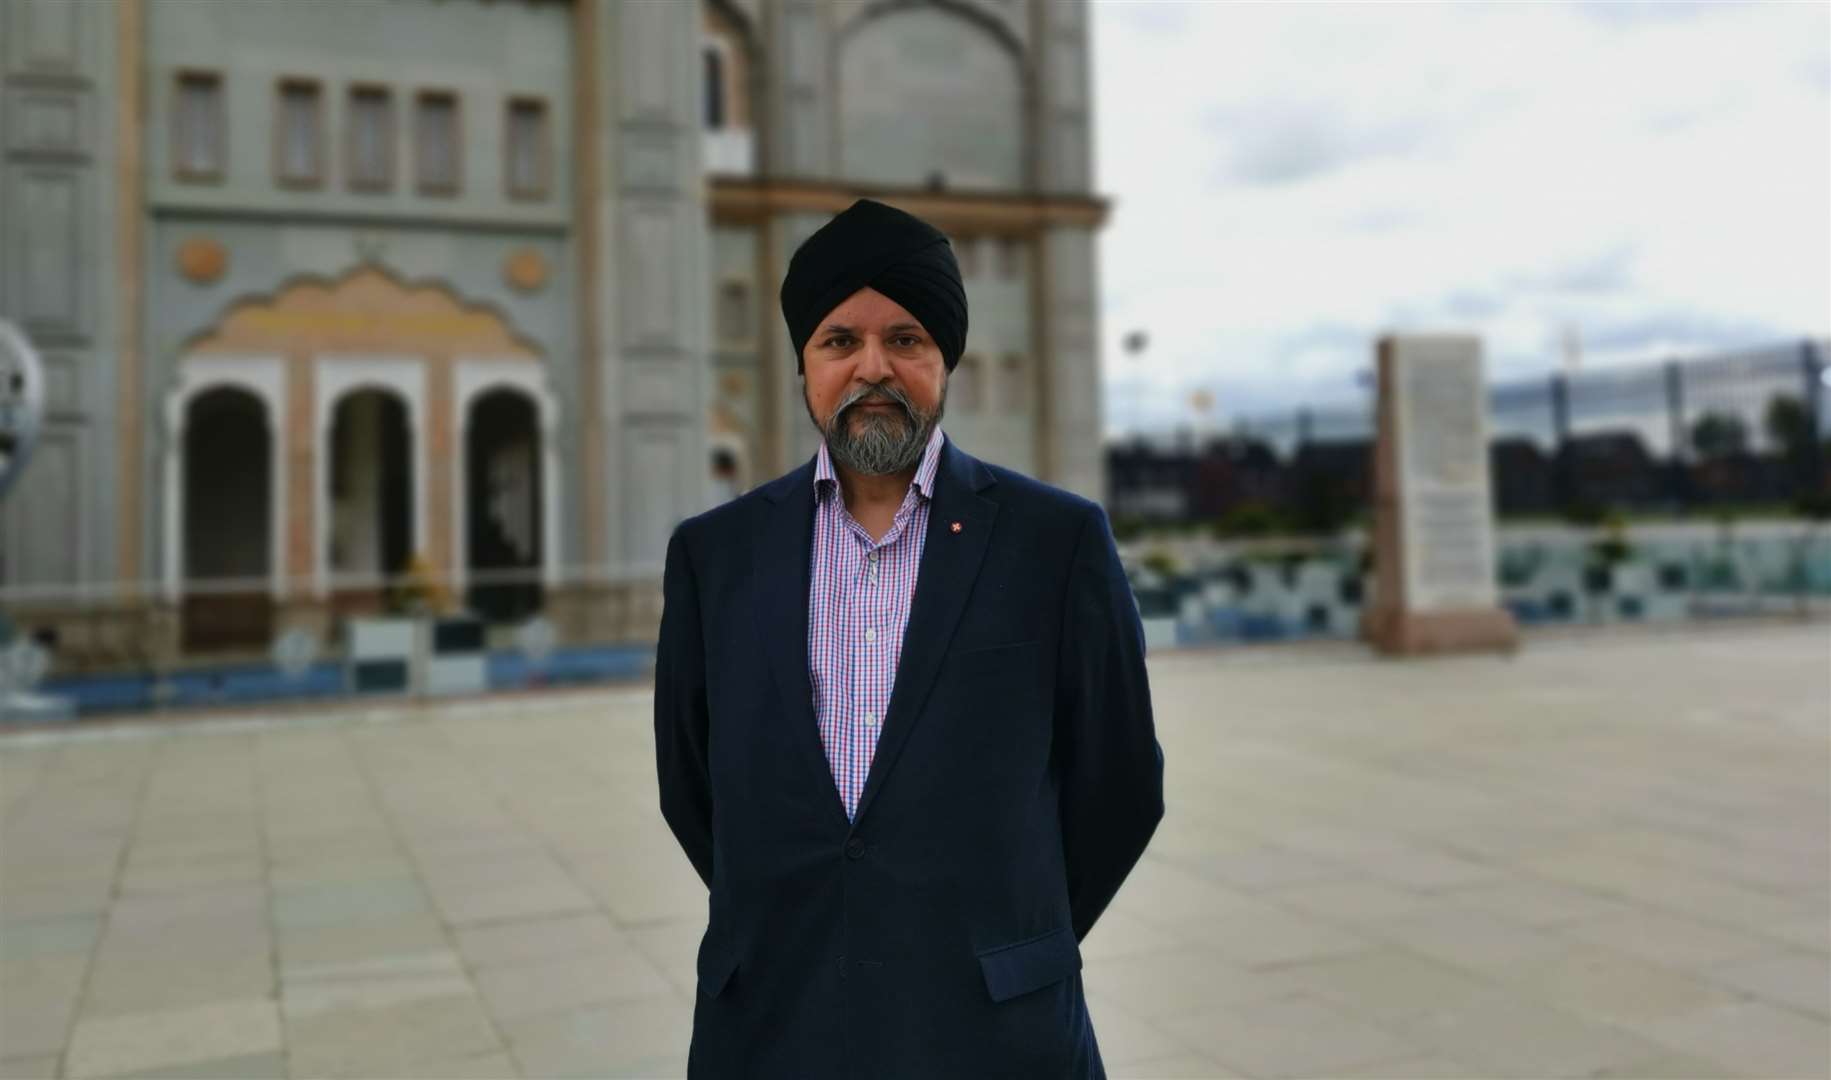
{"x":1433,"y":502}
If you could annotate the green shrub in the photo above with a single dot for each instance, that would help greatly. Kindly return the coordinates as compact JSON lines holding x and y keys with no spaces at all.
{"x":1247,"y":520}
{"x":1159,"y":563}
{"x":1585,"y":513}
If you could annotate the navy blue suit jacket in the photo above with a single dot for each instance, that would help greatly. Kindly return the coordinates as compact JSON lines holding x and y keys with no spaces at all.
{"x":1016,"y":781}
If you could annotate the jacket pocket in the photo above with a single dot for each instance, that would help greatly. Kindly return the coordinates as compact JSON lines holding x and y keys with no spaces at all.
{"x":715,"y":966}
{"x":1024,"y":966}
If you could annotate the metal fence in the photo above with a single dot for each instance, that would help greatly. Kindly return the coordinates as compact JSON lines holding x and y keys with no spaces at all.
{"x":1745,"y":432}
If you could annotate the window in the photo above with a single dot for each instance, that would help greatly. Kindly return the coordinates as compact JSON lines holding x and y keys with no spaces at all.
{"x":371,"y":139}
{"x":1016,"y":395}
{"x":525,"y":149}
{"x":713,"y":88}
{"x":734,"y":312}
{"x":197,"y":126}
{"x":435,"y":142}
{"x":299,"y":135}
{"x":966,"y":253}
{"x":1010,"y":258}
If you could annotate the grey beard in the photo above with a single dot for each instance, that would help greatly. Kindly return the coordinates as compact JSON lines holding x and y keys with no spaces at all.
{"x":883,"y":443}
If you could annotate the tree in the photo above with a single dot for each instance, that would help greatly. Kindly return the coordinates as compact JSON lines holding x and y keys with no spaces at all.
{"x":1788,"y":425}
{"x":1719,"y":435}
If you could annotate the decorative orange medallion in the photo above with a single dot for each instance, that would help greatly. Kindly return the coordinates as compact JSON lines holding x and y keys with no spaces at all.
{"x":525,"y":270}
{"x":202,"y":260}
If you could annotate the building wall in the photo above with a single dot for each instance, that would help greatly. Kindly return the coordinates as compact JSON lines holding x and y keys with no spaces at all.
{"x":484,"y":52}
{"x":57,"y":266}
{"x":273,"y":236}
{"x":646,"y":369}
{"x":613,"y":310}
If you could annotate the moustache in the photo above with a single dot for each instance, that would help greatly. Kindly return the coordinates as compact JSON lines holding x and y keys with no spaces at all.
{"x":876,"y":395}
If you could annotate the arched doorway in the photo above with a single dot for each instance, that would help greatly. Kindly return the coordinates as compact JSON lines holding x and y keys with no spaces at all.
{"x":370,"y":497}
{"x":228,"y":522}
{"x":504,"y":511}
{"x":353,"y":351}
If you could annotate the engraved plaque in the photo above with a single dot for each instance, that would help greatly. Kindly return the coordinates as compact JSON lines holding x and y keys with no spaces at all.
{"x":1445,"y":507}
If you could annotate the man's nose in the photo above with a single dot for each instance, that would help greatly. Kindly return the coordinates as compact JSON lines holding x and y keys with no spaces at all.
{"x":873,"y":361}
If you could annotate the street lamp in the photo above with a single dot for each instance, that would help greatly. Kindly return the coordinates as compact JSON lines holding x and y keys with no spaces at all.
{"x":21,"y":403}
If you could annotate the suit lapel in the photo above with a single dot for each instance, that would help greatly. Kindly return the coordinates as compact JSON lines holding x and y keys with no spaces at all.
{"x":782,"y":555}
{"x":950,"y":563}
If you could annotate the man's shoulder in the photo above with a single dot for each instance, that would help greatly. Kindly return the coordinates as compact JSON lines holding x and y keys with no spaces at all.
{"x":722,"y":518}
{"x":1026,"y":494}
{"x":735,"y":518}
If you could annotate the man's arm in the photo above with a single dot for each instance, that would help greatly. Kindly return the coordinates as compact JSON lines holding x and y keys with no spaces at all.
{"x":1112,"y":765}
{"x":680,"y":713}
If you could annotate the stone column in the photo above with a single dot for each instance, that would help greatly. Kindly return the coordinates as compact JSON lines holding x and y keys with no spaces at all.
{"x":1066,"y":287}
{"x":792,"y":438}
{"x":798,"y":105}
{"x":69,"y":280}
{"x":1061,"y":151}
{"x":647,"y":222}
{"x":1069,"y":416}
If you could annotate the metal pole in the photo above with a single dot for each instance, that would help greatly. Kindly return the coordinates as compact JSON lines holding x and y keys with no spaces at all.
{"x":1814,"y":370}
{"x":1675,"y":416}
{"x":1560,"y":427}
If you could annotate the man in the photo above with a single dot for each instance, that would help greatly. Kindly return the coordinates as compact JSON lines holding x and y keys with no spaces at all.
{"x":724,"y":475}
{"x":902,"y":725}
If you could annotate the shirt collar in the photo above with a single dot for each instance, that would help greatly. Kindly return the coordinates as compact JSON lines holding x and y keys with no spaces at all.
{"x":825,"y":479}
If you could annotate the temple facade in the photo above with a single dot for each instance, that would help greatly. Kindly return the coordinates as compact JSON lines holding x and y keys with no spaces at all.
{"x":339,"y":300}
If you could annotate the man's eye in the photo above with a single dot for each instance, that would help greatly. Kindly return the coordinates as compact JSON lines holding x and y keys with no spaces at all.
{"x":907,"y":341}
{"x":838,"y":341}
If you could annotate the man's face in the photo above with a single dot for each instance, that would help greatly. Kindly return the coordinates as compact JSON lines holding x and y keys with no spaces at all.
{"x":874,"y":384}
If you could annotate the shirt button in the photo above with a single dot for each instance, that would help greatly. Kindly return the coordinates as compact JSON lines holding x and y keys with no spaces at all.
{"x":870,"y":634}
{"x":870,"y":718}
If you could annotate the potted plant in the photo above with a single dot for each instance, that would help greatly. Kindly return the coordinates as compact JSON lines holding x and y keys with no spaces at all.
{"x":1606,"y":553}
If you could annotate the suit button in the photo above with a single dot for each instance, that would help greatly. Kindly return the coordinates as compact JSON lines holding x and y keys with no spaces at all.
{"x":855,"y":847}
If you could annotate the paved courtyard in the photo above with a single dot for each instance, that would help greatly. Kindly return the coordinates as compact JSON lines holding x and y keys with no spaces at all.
{"x":1608,"y":856}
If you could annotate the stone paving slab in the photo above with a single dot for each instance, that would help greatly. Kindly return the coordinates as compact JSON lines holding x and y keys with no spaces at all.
{"x":171,"y":1039}
{"x":644,"y":1037}
{"x":1607,"y":856}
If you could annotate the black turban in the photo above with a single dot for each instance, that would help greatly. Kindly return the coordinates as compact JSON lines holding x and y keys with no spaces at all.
{"x":898,"y":254}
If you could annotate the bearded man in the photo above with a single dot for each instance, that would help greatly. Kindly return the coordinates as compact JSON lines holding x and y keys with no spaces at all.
{"x":903,"y":729}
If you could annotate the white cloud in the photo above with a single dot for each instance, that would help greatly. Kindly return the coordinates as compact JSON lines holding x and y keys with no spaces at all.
{"x":1289,"y":181}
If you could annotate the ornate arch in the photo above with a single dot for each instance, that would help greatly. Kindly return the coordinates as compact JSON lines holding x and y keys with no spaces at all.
{"x":478,"y":377}
{"x":366,"y":309}
{"x":1013,"y":115}
{"x":328,"y":335}
{"x":966,"y":9}
{"x":262,"y":378}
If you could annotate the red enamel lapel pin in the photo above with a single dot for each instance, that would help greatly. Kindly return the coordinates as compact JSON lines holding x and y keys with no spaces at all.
{"x":955,"y":526}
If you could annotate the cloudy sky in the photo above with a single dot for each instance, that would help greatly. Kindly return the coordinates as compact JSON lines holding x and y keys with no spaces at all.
{"x":1288,"y":181}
